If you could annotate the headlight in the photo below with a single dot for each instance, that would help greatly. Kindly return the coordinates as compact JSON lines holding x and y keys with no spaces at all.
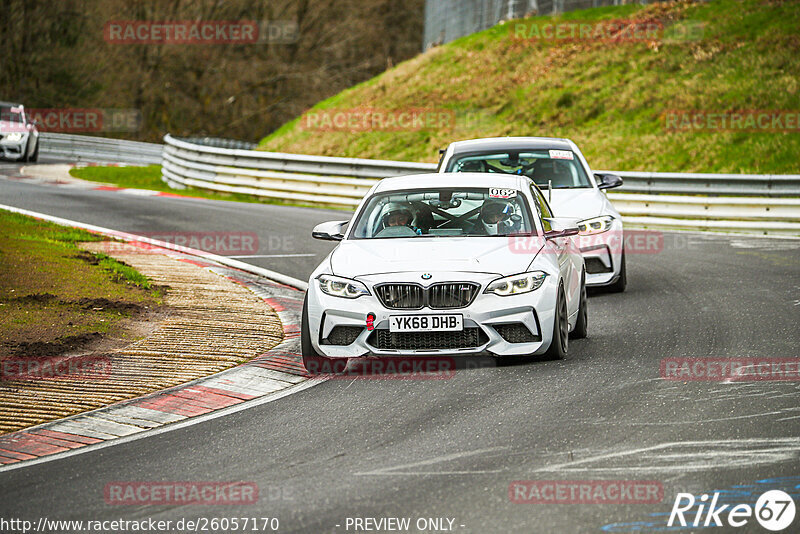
{"x":517,"y":284}
{"x":595,"y":225}
{"x":14,"y":136}
{"x":337,"y":286}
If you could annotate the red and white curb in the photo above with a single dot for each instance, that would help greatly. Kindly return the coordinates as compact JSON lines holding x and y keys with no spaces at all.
{"x":270,"y":376}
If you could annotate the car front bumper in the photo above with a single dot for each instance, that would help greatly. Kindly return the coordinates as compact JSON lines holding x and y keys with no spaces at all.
{"x":13,"y":150}
{"x":535,"y":310}
{"x":603,"y":255}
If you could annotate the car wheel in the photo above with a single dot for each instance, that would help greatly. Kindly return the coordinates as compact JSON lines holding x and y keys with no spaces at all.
{"x":622,"y":281}
{"x":582,"y":326}
{"x":24,"y":158}
{"x":314,"y":362}
{"x":35,"y":156}
{"x":560,"y":343}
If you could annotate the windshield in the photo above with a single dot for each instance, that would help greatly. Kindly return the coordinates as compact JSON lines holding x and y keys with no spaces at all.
{"x":8,"y":114}
{"x":560,"y":168}
{"x":444,"y":213}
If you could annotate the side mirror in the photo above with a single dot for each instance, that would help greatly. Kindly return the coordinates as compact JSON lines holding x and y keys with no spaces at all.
{"x":329,"y":231}
{"x":608,"y":181}
{"x":561,"y":227}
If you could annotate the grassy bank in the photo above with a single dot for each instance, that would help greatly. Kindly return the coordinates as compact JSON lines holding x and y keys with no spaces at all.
{"x":149,"y":178}
{"x":55,"y":297}
{"x":612,"y":97}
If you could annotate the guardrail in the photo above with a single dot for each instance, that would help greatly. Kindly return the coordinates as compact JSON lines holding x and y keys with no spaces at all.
{"x":647,"y":199}
{"x":763,"y":204}
{"x":98,"y":149}
{"x":770,"y":185}
{"x":311,"y":179}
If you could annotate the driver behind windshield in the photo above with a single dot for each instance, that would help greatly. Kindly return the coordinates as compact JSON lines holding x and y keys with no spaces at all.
{"x":399,"y":214}
{"x":496,"y":218}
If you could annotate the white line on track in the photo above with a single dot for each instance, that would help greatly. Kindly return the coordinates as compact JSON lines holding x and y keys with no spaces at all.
{"x":273,"y":256}
{"x":395,"y":470}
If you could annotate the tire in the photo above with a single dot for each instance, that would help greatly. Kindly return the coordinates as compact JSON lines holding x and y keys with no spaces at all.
{"x":560,"y":344}
{"x":582,"y":326}
{"x":314,"y":362}
{"x":622,"y":281}
{"x":35,"y":156}
{"x":24,"y":158}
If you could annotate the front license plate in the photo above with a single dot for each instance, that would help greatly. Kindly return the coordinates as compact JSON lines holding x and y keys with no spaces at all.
{"x":425,"y":323}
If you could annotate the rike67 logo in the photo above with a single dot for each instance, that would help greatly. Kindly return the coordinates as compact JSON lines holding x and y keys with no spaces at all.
{"x":774,"y":510}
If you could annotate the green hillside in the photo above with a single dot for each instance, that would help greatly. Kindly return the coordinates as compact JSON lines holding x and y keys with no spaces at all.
{"x":612,"y":96}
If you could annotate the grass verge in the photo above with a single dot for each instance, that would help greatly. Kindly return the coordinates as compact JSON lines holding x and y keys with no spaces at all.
{"x":55,"y":297}
{"x":149,"y":178}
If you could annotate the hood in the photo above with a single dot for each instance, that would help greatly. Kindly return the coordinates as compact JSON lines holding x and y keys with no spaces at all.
{"x":9,"y":127}
{"x":496,"y":255}
{"x":578,"y":203}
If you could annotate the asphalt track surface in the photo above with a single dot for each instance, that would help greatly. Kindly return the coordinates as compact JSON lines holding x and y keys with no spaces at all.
{"x":450,"y":448}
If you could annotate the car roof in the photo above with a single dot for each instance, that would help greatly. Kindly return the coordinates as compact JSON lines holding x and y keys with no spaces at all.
{"x":511,"y":143}
{"x":10,"y":105}
{"x":462,"y":179}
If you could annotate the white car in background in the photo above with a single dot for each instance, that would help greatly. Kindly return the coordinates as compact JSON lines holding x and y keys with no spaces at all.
{"x":428,"y":268}
{"x":19,"y":138}
{"x":572,"y":189}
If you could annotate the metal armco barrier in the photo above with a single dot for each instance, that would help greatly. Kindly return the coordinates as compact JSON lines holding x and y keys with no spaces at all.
{"x":309,"y":179}
{"x":761,"y":204}
{"x":98,"y":149}
{"x":771,"y":185}
{"x":750,"y":203}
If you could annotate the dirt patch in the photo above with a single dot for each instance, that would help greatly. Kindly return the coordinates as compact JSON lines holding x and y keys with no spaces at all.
{"x":48,"y":349}
{"x":104,"y":304}
{"x":88,"y":257}
{"x":36,"y":298}
{"x":141,"y":323}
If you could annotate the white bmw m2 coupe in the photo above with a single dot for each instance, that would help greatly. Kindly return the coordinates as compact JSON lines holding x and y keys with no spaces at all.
{"x":573,"y":190}
{"x":427,"y":267}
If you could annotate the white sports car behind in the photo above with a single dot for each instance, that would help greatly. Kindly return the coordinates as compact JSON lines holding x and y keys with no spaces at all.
{"x":19,"y":138}
{"x":427,"y":267}
{"x":560,"y":170}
